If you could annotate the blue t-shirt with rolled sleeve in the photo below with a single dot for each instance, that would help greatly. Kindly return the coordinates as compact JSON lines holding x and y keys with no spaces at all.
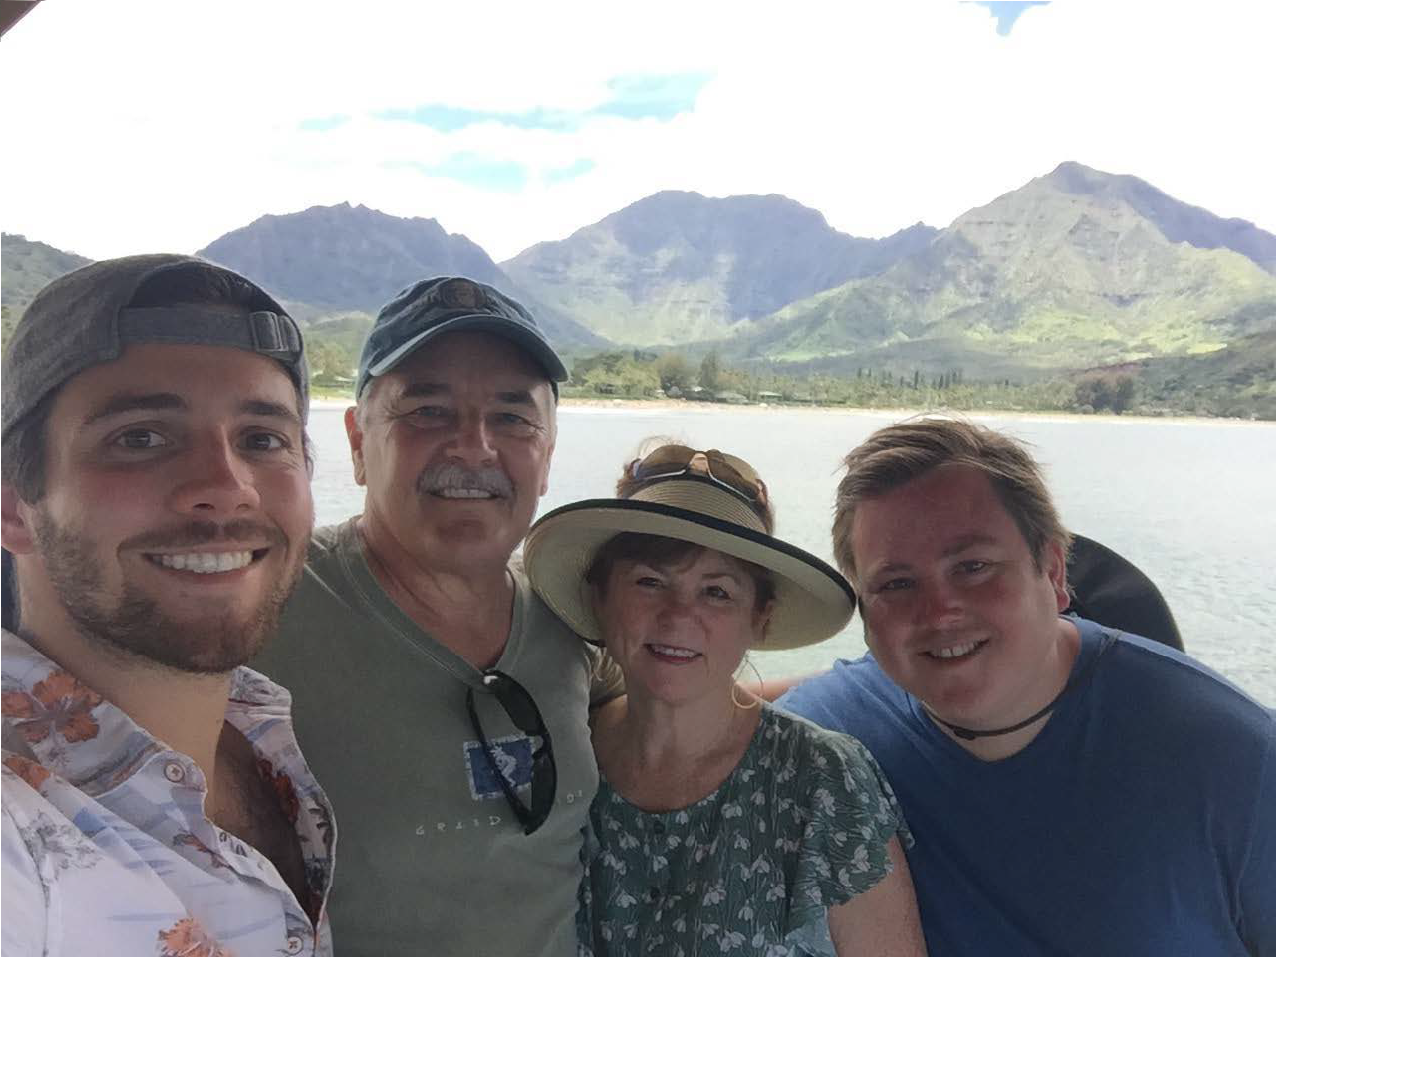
{"x":1140,"y":820}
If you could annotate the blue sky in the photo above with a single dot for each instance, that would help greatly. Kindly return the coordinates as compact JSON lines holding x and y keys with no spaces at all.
{"x":520,"y":123}
{"x":633,"y":97}
{"x":473,"y":169}
{"x":1007,"y":12}
{"x":630,"y":96}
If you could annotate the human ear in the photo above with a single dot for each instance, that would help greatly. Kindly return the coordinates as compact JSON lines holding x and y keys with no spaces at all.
{"x":552,"y":425}
{"x":763,"y":623}
{"x":355,"y":435}
{"x":15,"y":524}
{"x":1056,"y":567}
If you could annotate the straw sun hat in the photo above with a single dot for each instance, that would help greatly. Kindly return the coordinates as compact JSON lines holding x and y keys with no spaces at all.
{"x":813,"y":602}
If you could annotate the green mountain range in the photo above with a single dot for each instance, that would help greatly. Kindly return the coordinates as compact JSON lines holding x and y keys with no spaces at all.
{"x":679,"y":267}
{"x":26,"y":267}
{"x":1074,"y":270}
{"x":343,"y":259}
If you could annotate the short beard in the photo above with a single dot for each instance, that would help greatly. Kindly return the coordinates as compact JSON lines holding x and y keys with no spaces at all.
{"x":136,"y":627}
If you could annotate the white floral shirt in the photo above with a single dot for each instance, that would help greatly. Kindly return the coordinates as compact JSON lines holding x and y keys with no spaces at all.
{"x":105,"y":849}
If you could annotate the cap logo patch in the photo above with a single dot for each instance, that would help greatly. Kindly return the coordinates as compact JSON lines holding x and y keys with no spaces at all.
{"x":459,"y":293}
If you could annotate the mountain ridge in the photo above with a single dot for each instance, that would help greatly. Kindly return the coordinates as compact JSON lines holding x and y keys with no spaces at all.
{"x":380,"y":254}
{"x":678,"y":267}
{"x":1178,"y":220}
{"x":1045,"y":275}
{"x":1076,"y":268}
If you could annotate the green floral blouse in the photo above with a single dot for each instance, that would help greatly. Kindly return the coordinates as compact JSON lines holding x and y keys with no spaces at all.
{"x":803,"y":822}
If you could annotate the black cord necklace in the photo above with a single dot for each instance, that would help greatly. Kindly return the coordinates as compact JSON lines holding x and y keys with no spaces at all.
{"x":964,"y":733}
{"x":1079,"y":674}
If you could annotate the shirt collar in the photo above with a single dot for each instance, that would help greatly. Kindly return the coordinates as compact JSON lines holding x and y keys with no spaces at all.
{"x":70,"y":729}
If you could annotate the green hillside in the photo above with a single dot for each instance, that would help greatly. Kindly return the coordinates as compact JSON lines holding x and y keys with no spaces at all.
{"x":1236,"y":382}
{"x":26,"y":267}
{"x":346,"y":258}
{"x":1080,"y":290}
{"x":1065,"y":272}
{"x":678,"y":267}
{"x":333,"y":347}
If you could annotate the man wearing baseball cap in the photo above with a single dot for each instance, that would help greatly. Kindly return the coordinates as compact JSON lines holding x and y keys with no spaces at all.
{"x":157,"y":503}
{"x":442,"y":704}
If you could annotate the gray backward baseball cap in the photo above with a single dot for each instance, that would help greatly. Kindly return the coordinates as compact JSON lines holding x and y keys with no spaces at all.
{"x":84,"y":319}
{"x":426,"y":309}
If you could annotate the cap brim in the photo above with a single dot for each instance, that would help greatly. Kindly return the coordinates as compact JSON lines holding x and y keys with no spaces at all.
{"x":813,"y":602}
{"x":525,"y":339}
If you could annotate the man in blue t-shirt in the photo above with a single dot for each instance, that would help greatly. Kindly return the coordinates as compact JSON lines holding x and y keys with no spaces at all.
{"x":1072,"y":789}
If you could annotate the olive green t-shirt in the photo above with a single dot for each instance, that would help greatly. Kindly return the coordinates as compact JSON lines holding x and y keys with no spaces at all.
{"x":430,"y":858}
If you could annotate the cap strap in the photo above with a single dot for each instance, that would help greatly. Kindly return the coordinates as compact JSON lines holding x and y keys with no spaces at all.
{"x":263,"y":332}
{"x":273,"y":333}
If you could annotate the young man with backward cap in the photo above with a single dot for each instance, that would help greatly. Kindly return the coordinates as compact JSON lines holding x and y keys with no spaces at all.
{"x":1072,"y":789}
{"x":442,"y":704}
{"x":157,"y":503}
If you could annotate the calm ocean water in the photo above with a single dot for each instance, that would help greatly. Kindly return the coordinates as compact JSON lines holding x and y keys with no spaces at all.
{"x":1190,"y":503}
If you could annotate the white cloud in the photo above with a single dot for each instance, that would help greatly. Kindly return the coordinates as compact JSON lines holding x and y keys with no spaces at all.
{"x":163,"y":125}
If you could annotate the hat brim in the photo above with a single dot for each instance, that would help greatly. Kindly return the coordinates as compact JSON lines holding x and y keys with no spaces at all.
{"x":525,"y":339}
{"x":813,"y":602}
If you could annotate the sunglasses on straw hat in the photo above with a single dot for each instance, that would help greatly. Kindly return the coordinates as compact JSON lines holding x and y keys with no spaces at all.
{"x":683,"y":461}
{"x":700,"y":496}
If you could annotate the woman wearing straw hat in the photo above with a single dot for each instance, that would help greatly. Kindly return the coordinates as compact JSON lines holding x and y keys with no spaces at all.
{"x":721,"y":826}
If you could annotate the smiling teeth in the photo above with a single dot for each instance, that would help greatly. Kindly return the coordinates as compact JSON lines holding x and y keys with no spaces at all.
{"x":955,"y":651}
{"x":668,"y":650}
{"x":206,"y":562}
{"x":465,"y":494}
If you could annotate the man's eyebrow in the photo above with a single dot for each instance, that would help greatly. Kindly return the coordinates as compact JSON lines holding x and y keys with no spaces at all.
{"x":128,"y":403}
{"x":269,"y":409}
{"x":953,"y":548}
{"x":515,"y":396}
{"x":885,"y":568}
{"x":419,"y":389}
{"x":967,"y":541}
{"x":124,"y":403}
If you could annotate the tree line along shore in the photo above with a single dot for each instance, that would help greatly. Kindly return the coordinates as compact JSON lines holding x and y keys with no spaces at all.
{"x":1237,"y":382}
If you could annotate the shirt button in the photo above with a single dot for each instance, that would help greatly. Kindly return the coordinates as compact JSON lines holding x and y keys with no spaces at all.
{"x":659,"y":827}
{"x":295,"y":944}
{"x":655,"y":893}
{"x":173,"y":771}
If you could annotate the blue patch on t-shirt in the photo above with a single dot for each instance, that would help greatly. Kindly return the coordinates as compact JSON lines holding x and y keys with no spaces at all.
{"x":514,"y":757}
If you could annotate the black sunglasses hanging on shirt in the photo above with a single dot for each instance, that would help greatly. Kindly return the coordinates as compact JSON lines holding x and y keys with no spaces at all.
{"x":524,"y":714}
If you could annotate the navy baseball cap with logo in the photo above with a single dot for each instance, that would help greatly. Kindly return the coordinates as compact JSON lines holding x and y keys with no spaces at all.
{"x":425,"y":310}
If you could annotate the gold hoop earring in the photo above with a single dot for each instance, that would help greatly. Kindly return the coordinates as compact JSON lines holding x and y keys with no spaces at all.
{"x":755,"y":701}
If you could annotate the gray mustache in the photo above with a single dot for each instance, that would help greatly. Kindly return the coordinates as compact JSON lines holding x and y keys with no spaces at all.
{"x":454,"y":476}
